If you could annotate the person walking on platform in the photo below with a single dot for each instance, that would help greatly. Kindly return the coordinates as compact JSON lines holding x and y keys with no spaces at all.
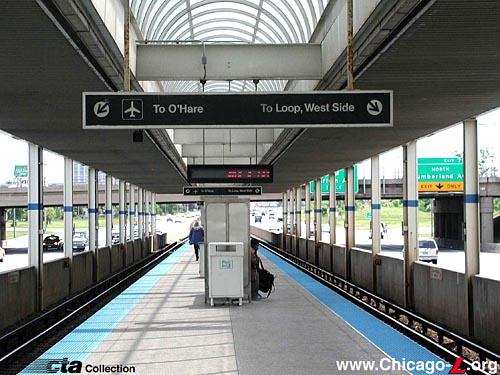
{"x":196,"y":236}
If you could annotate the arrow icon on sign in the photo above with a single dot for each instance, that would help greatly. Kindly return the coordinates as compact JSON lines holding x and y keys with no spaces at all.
{"x":374,"y":107}
{"x":101,"y":109}
{"x":439,"y":186}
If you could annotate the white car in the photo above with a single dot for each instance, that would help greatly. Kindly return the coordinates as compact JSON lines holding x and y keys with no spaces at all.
{"x":428,"y":250}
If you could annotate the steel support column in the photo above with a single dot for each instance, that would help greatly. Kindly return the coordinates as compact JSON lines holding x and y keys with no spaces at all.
{"x":375,"y":222}
{"x":332,"y":210}
{"x":35,"y":218}
{"x":109,"y":212}
{"x":147,"y":213}
{"x":284,"y":213}
{"x":132,"y":211}
{"x":349,"y":224}
{"x":153,"y":217}
{"x":293,"y":195}
{"x":410,"y":216}
{"x":471,"y":214}
{"x":93,"y":212}
{"x":68,"y":209}
{"x":140,"y":213}
{"x":121,"y":211}
{"x":317,"y":211}
{"x":308,"y":210}
{"x":298,"y":219}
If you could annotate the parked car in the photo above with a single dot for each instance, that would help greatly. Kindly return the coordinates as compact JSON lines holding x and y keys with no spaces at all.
{"x":2,"y":254}
{"x":79,"y":241}
{"x":428,"y":250}
{"x":52,"y":242}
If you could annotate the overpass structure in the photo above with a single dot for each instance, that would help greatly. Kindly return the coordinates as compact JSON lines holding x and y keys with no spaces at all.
{"x":438,"y":67}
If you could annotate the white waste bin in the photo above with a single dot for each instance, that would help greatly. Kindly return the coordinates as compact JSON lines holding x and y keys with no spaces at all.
{"x":225,"y":270}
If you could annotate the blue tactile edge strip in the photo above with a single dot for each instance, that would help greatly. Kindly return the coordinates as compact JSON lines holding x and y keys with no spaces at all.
{"x":80,"y":343}
{"x":383,"y":336}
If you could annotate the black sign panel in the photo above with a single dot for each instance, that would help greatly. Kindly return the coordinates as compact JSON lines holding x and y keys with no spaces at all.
{"x":225,"y":110}
{"x":230,"y":173}
{"x":235,"y":190}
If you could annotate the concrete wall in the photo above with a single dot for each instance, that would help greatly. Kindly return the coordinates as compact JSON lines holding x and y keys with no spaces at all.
{"x":146,"y":246}
{"x":293,"y":243}
{"x":288,"y":243}
{"x":303,"y":248}
{"x":338,"y":253}
{"x":325,"y":254}
{"x":137,"y":249}
{"x":103,"y":263}
{"x":81,"y":271}
{"x":311,"y":252}
{"x":56,"y":276}
{"x":439,"y":296}
{"x":487,"y":311}
{"x":116,"y":258}
{"x":17,"y":295}
{"x":390,"y":279}
{"x":362,"y":268}
{"x":129,"y":253}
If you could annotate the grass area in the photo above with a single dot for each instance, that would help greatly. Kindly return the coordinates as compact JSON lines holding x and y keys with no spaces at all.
{"x":392,"y":216}
{"x":19,"y":233}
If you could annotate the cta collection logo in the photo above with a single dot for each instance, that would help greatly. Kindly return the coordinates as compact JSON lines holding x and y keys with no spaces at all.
{"x":65,"y":366}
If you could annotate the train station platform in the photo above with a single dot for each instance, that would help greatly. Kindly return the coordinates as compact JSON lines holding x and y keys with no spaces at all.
{"x":161,"y":325}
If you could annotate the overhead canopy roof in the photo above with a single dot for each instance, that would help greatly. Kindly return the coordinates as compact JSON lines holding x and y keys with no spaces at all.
{"x":239,"y":21}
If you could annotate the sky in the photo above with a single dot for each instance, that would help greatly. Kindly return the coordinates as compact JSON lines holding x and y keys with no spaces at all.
{"x":441,"y":144}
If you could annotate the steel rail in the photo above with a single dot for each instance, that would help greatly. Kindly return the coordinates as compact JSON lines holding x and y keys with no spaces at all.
{"x":439,"y":340}
{"x":21,"y":340}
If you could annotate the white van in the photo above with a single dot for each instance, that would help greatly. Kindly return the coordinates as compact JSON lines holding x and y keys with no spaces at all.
{"x":428,"y":250}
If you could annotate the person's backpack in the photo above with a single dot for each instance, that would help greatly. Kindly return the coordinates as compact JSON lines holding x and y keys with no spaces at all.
{"x":266,"y":280}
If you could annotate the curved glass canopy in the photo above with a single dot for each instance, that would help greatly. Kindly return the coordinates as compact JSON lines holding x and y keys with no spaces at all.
{"x":243,"y":21}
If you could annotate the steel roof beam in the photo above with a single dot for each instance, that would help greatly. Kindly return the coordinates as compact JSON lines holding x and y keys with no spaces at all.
{"x":228,"y":61}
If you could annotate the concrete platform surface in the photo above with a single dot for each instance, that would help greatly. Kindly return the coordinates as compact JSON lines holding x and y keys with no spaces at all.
{"x":162,"y":326}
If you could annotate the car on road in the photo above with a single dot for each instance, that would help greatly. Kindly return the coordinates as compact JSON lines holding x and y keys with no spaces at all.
{"x":79,"y":241}
{"x":52,"y":242}
{"x":2,"y":254}
{"x":258,"y":218}
{"x":428,"y":250}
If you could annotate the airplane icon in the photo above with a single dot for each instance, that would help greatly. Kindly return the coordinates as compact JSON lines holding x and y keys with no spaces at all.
{"x":132,"y":109}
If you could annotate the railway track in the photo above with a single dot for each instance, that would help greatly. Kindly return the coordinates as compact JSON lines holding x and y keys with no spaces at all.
{"x":439,"y":340}
{"x":21,"y":345}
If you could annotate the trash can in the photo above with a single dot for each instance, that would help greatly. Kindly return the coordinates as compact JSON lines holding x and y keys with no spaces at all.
{"x":225,"y":270}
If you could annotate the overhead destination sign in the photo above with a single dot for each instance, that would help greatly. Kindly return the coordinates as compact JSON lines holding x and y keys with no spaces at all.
{"x":230,"y":173}
{"x":234,"y":190}
{"x":228,"y":110}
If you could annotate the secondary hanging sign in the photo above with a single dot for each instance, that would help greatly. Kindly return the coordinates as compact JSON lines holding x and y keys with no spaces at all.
{"x":134,"y":110}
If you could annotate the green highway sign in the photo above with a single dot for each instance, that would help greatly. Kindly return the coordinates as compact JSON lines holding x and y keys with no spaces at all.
{"x":20,"y":171}
{"x":339,"y":182}
{"x":440,"y":174}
